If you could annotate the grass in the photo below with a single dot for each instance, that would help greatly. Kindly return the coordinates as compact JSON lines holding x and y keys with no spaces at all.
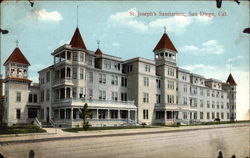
{"x":221,"y":122}
{"x":106,"y":128}
{"x":20,"y":129}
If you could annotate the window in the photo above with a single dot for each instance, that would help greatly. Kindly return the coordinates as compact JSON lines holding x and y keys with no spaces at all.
{"x":184,"y":115}
{"x":201,"y":115}
{"x":145,"y":98}
{"x":147,"y":68}
{"x":170,"y":71}
{"x":74,"y":56}
{"x":222,"y":115}
{"x":102,"y":94}
{"x":218,"y":105}
{"x":81,"y":93}
{"x":35,"y":98}
{"x":114,"y":80}
{"x":185,"y":100}
{"x":130,"y":68}
{"x":146,"y":81}
{"x":213,"y":94}
{"x":170,"y":84}
{"x":123,"y":96}
{"x":102,"y":78}
{"x":124,"y":81}
{"x":184,"y":77}
{"x":185,"y":88}
{"x":201,"y":103}
{"x":47,"y":95}
{"x":90,"y":60}
{"x":30,"y":98}
{"x":158,"y":98}
{"x":81,"y":57}
{"x":74,"y":73}
{"x":18,"y":113}
{"x":158,"y":83}
{"x":227,"y":115}
{"x":222,"y":105}
{"x":145,"y":114}
{"x":213,"y":106}
{"x":114,"y":96}
{"x":91,"y":77}
{"x":170,"y":98}
{"x":213,"y":116}
{"x":18,"y":96}
{"x":208,"y":115}
{"x":81,"y":73}
{"x":208,"y":93}
{"x":42,"y":96}
{"x":74,"y":92}
{"x":195,"y":115}
{"x":217,"y":115}
{"x":48,"y":76}
{"x":227,"y":105}
{"x":208,"y":104}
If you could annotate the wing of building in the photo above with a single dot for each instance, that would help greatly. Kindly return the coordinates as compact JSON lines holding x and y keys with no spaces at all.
{"x":118,"y":92}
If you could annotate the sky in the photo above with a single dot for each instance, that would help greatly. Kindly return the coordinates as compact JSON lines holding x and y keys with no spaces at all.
{"x":210,"y":42}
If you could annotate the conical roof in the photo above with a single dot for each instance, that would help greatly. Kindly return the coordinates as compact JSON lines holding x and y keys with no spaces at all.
{"x":17,"y":57}
{"x":230,"y":80}
{"x":77,"y":41}
{"x":98,"y":52}
{"x":165,"y":43}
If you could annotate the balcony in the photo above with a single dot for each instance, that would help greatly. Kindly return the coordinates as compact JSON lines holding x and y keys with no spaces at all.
{"x":94,"y":103}
{"x":63,"y":81}
{"x":174,"y":107}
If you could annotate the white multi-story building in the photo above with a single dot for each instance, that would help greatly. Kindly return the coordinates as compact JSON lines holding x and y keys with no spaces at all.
{"x":117,"y":92}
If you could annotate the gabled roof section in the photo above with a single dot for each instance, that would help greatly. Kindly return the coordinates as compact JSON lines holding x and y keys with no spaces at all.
{"x":77,"y":41}
{"x":17,"y":57}
{"x":98,"y":52}
{"x":165,"y":43}
{"x":230,"y":80}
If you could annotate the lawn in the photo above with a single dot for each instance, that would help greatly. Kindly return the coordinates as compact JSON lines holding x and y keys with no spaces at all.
{"x":20,"y":129}
{"x":106,"y":128}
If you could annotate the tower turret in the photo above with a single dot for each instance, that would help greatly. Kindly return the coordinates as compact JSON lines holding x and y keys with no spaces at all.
{"x":165,"y":51}
{"x":16,"y":65}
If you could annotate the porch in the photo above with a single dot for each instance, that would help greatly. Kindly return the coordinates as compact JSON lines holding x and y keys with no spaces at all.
{"x":72,"y":117}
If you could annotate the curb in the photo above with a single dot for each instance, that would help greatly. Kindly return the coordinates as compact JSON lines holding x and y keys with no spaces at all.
{"x":111,"y":135}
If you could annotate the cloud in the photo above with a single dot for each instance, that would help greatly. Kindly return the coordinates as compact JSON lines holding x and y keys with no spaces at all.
{"x":239,"y":57}
{"x":198,"y":67}
{"x":176,"y":24}
{"x":44,"y":15}
{"x":115,"y":44}
{"x":209,"y":47}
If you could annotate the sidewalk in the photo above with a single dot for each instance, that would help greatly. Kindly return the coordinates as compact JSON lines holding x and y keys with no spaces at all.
{"x":58,"y":134}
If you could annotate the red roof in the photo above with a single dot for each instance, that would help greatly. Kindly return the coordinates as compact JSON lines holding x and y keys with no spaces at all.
{"x":230,"y":80}
{"x":17,"y":57}
{"x":165,"y":43}
{"x":19,"y":79}
{"x":98,"y":52}
{"x":77,"y":41}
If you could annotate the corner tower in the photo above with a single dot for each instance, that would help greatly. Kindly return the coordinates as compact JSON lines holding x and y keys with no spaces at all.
{"x":16,"y":88}
{"x":165,"y":61}
{"x":231,"y":88}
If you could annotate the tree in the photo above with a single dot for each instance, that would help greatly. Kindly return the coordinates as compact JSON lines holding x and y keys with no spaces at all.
{"x":85,"y":115}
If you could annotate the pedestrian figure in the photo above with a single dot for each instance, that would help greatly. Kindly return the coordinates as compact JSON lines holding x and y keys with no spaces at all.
{"x":233,"y":156}
{"x":220,"y":155}
{"x":31,"y":154}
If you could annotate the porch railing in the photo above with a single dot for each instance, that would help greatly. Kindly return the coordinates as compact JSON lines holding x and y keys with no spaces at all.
{"x":85,"y":100}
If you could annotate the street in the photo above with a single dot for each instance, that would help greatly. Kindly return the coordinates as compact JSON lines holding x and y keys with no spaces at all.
{"x":197,"y":143}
